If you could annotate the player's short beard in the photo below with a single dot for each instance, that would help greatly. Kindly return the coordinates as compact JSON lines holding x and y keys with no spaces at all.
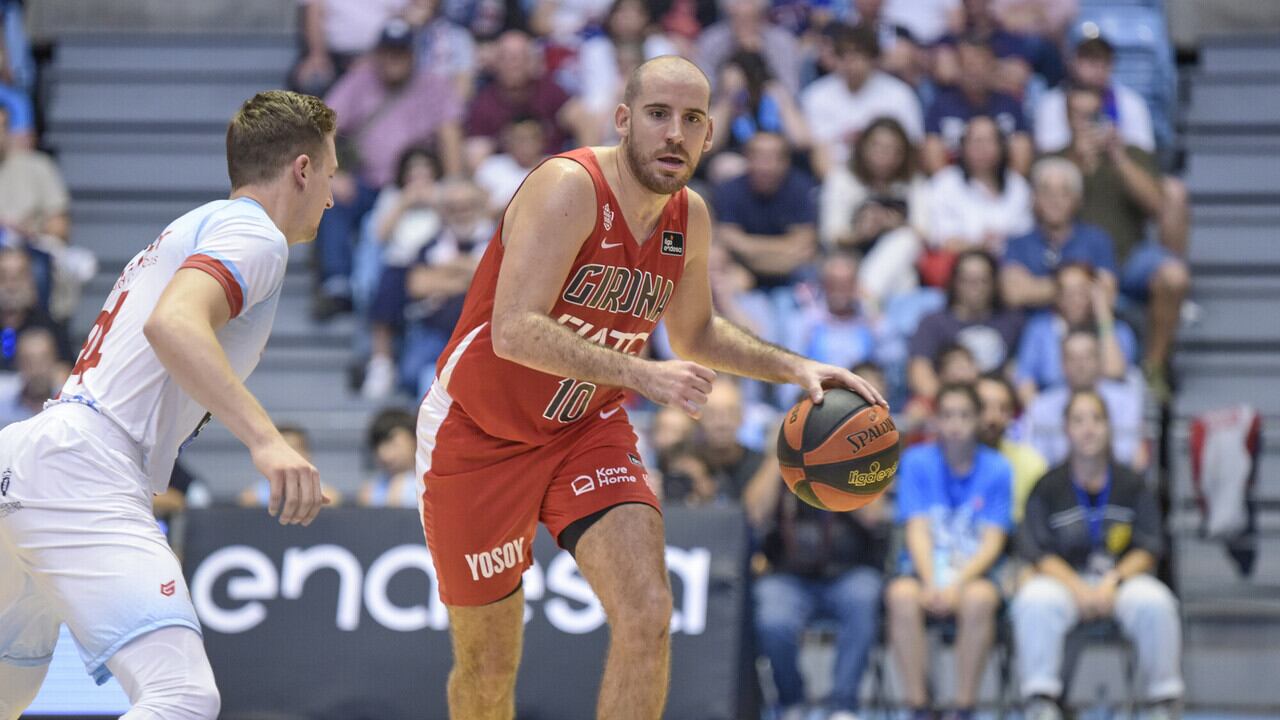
{"x":650,"y":179}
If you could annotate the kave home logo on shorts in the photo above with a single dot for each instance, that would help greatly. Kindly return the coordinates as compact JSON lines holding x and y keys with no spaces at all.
{"x":252,"y":585}
{"x":603,"y":477}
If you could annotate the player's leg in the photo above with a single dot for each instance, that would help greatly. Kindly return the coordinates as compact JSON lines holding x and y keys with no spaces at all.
{"x":905,"y":606}
{"x":479,"y":523}
{"x":87,"y":539}
{"x":486,"y":655}
{"x":975,"y":630}
{"x":28,"y":625}
{"x":622,"y":556}
{"x":167,"y":676}
{"x":28,"y":632}
{"x":19,"y":686}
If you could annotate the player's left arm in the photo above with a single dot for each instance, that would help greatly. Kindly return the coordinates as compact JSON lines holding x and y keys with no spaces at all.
{"x":698,"y":334}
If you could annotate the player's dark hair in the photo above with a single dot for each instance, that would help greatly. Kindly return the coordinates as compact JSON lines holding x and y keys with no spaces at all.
{"x":270,"y":130}
{"x":386,"y":422}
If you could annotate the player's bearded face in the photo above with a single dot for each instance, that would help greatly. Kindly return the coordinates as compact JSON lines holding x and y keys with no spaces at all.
{"x":665,"y":168}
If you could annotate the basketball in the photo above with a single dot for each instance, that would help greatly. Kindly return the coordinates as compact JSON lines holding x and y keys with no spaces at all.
{"x":839,"y":455}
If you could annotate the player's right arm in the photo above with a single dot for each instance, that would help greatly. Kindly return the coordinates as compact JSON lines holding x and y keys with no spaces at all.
{"x":549,"y":219}
{"x":181,"y":331}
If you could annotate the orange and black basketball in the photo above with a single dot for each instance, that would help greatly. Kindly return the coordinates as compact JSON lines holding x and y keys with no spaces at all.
{"x":839,"y":455}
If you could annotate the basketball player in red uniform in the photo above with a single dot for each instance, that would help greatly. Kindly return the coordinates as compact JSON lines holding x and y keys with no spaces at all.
{"x":524,"y":421}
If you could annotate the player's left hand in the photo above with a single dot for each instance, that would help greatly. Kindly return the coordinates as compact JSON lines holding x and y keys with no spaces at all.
{"x":815,"y":376}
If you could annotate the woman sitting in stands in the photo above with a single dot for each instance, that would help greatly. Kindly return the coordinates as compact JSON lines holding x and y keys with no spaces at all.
{"x":1092,"y":531}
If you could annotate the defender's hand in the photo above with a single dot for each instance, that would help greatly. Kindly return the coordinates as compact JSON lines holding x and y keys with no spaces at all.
{"x":295,"y":483}
{"x":677,"y":383}
{"x":814,"y":376}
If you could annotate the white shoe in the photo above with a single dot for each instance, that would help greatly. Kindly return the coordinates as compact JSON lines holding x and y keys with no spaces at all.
{"x":379,"y":378}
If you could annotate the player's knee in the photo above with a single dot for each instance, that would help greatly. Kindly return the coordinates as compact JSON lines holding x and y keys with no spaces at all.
{"x":202,"y":702}
{"x":646,"y":618}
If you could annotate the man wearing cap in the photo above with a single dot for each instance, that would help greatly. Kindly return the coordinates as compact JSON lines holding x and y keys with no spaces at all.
{"x":384,"y":107}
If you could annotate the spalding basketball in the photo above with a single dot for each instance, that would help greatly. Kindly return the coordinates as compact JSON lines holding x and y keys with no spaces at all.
{"x":839,"y":455}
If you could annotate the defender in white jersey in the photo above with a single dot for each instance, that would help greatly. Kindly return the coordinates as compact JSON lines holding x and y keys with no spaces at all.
{"x":180,"y":331}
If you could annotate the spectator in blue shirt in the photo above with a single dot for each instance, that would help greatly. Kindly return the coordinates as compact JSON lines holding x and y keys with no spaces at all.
{"x":954,"y":499}
{"x":767,"y":219}
{"x":1030,"y":261}
{"x":945,"y":121}
{"x":1082,"y":302}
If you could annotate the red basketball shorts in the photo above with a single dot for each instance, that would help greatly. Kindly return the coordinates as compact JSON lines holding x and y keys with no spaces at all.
{"x":484,"y":496}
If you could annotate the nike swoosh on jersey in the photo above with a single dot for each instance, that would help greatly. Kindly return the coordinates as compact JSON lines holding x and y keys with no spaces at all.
{"x":607,"y":245}
{"x":606,"y":415}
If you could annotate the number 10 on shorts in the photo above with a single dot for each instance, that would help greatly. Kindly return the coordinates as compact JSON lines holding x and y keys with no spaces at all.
{"x":570,"y":401}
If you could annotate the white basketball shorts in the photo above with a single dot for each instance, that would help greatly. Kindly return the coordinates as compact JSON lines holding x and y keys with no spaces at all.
{"x":79,"y":543}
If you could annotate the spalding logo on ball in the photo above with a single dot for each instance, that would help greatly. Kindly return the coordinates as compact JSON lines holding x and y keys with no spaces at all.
{"x":839,"y":455}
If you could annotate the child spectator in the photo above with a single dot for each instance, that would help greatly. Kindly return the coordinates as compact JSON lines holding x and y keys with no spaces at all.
{"x":393,"y":443}
{"x":953,"y":500}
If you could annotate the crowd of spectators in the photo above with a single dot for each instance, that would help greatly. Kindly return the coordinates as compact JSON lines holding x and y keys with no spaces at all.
{"x":954,"y":198}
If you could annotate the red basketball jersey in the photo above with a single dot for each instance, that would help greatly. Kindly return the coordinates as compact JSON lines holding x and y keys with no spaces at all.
{"x":614,"y":295}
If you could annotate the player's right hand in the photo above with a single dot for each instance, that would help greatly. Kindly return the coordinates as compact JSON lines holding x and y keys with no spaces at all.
{"x":678,"y":384}
{"x":295,"y":483}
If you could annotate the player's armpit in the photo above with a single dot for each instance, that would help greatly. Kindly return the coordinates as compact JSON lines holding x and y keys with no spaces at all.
{"x":689,"y":320}
{"x":548,"y":220}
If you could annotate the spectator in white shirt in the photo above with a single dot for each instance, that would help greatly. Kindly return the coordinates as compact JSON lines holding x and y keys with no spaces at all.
{"x":841,"y":105}
{"x":877,"y":204}
{"x":1091,"y":67}
{"x":1082,"y":368}
{"x":500,"y":175}
{"x":979,"y":202}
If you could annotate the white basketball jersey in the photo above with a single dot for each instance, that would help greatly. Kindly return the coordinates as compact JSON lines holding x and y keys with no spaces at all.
{"x":117,"y":372}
